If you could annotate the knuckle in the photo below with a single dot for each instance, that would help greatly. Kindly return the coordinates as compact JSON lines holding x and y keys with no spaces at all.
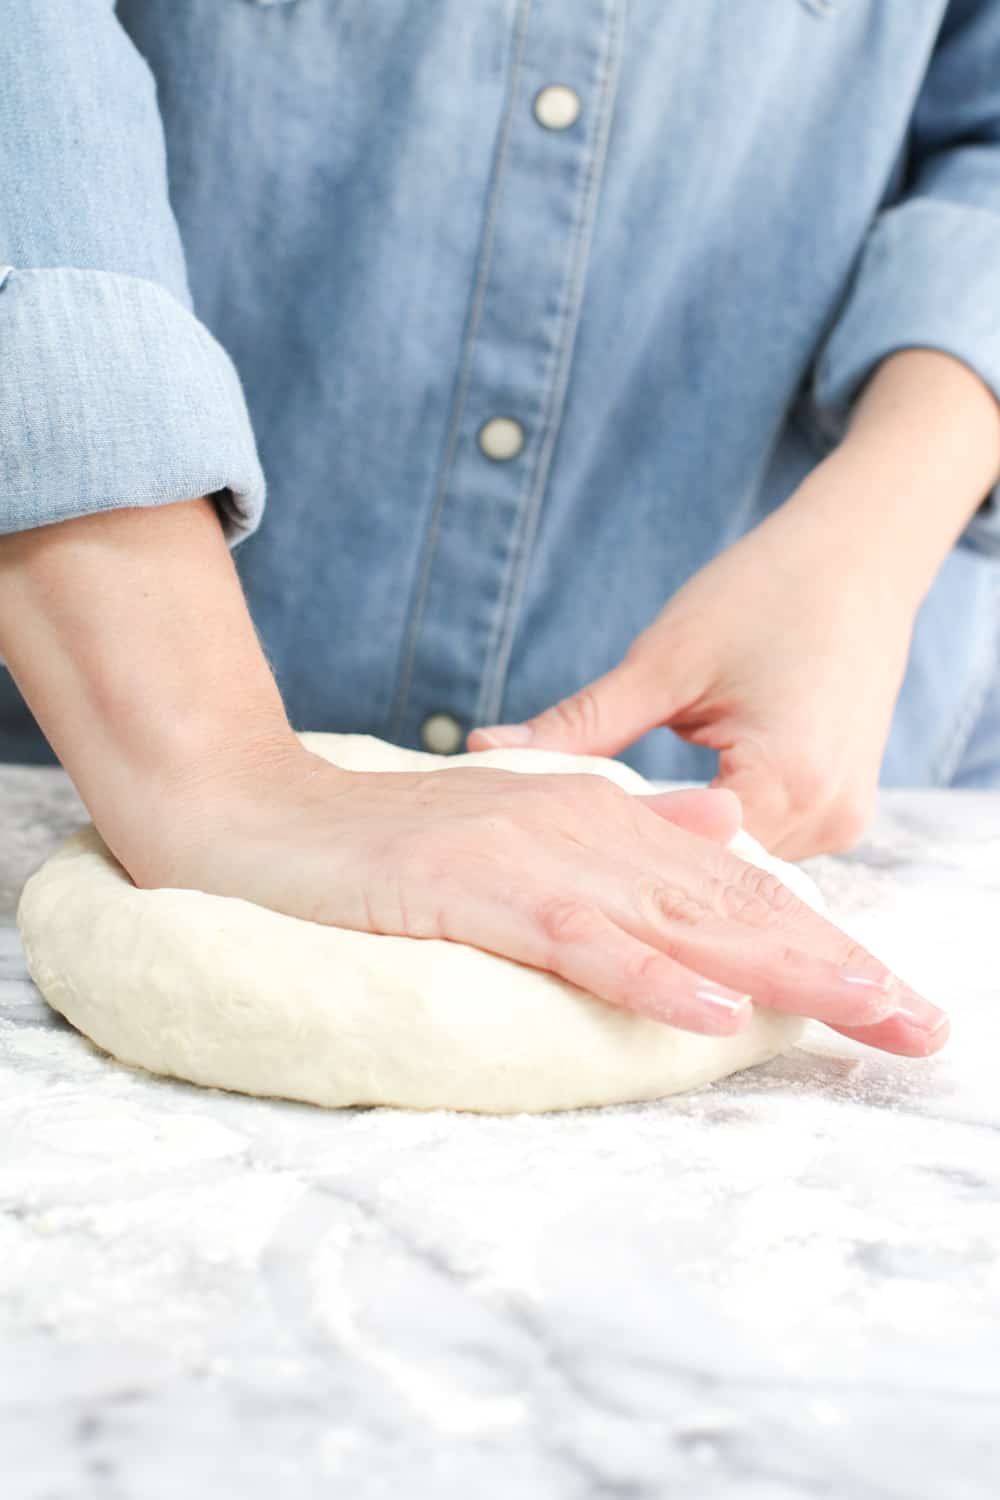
{"x":642,"y":971}
{"x":565,"y":920}
{"x":853,"y":956}
{"x":758,"y":897}
{"x":579,"y":715}
{"x":658,"y":901}
{"x":787,"y":957}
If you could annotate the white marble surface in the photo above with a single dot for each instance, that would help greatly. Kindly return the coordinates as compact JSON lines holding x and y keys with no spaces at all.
{"x":784,"y":1285}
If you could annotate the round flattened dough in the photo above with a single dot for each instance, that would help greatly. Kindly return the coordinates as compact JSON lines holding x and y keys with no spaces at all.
{"x":222,"y":992}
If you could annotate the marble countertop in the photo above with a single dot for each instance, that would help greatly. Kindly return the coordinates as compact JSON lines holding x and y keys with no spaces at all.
{"x":784,"y":1285}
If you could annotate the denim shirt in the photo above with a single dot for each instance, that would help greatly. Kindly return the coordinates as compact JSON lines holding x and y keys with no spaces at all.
{"x":515,"y":312}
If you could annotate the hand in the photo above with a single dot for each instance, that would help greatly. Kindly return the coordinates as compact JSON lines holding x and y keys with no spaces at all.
{"x":634,"y":898}
{"x":785,"y":654}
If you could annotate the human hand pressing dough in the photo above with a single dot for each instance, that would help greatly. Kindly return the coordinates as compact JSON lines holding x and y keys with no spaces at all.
{"x":476,"y":939}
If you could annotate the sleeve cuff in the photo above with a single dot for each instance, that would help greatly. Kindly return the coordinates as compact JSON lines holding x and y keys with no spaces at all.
{"x":114,"y":394}
{"x":929,"y":276}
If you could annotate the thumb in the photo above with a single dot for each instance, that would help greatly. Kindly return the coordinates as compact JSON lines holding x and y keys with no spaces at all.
{"x":601,"y":719}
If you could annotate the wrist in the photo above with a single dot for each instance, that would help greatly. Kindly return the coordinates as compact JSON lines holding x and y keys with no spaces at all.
{"x":853,"y":533}
{"x":245,"y":790}
{"x":920,"y":455}
{"x":128,"y":636}
{"x":143,"y":804}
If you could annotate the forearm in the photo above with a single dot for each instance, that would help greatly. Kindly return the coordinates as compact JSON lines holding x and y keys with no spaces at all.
{"x":129,"y":637}
{"x":921,"y":453}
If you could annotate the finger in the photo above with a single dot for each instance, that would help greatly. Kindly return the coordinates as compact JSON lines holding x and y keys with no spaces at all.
{"x":567,"y":936}
{"x":784,"y":977}
{"x":813,"y":967}
{"x":741,"y":926}
{"x":686,"y":924}
{"x":711,"y":814}
{"x":918,"y":1028}
{"x":601,"y":719}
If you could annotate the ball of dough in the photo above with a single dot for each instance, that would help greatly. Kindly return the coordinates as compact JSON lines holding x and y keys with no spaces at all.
{"x":226,"y":993}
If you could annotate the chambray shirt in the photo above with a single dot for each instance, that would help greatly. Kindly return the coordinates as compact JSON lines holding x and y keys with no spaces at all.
{"x":514,"y":312}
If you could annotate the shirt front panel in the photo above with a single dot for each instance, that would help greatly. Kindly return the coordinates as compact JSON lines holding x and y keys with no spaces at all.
{"x":397,"y":251}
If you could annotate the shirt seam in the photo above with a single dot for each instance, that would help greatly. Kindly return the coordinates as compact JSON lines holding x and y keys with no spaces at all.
{"x":491,"y":693}
{"x":422,"y":586}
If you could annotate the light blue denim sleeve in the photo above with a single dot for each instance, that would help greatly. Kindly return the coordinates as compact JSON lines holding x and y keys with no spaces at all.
{"x":112,"y":391}
{"x":929,"y":273}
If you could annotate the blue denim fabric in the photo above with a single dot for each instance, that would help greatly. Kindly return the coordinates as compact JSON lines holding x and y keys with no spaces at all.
{"x":325,"y":241}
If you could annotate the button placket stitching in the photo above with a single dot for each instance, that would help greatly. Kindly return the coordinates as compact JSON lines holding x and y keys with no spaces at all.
{"x":489,"y":706}
{"x":465,"y":374}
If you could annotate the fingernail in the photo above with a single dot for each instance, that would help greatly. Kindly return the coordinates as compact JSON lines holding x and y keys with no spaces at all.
{"x":918,"y":1012}
{"x":721,"y":1004}
{"x":876,"y":989}
{"x":506,"y":734}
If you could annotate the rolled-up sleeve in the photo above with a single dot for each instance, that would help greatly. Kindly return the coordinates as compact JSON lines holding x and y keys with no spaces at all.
{"x":929,"y":272}
{"x":113,"y":393}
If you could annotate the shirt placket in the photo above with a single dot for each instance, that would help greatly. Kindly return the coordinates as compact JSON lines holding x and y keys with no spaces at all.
{"x":524,"y":309}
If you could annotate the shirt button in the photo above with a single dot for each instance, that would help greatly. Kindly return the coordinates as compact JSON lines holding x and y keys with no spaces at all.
{"x":557,"y":106}
{"x":501,"y":437}
{"x":441,"y":734}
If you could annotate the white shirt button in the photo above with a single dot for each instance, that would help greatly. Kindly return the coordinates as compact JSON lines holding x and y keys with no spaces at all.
{"x":441,"y":734}
{"x":556,"y":106}
{"x":501,"y":437}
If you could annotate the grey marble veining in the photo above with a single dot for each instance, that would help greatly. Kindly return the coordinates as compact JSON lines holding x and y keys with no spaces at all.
{"x":784,"y":1285}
